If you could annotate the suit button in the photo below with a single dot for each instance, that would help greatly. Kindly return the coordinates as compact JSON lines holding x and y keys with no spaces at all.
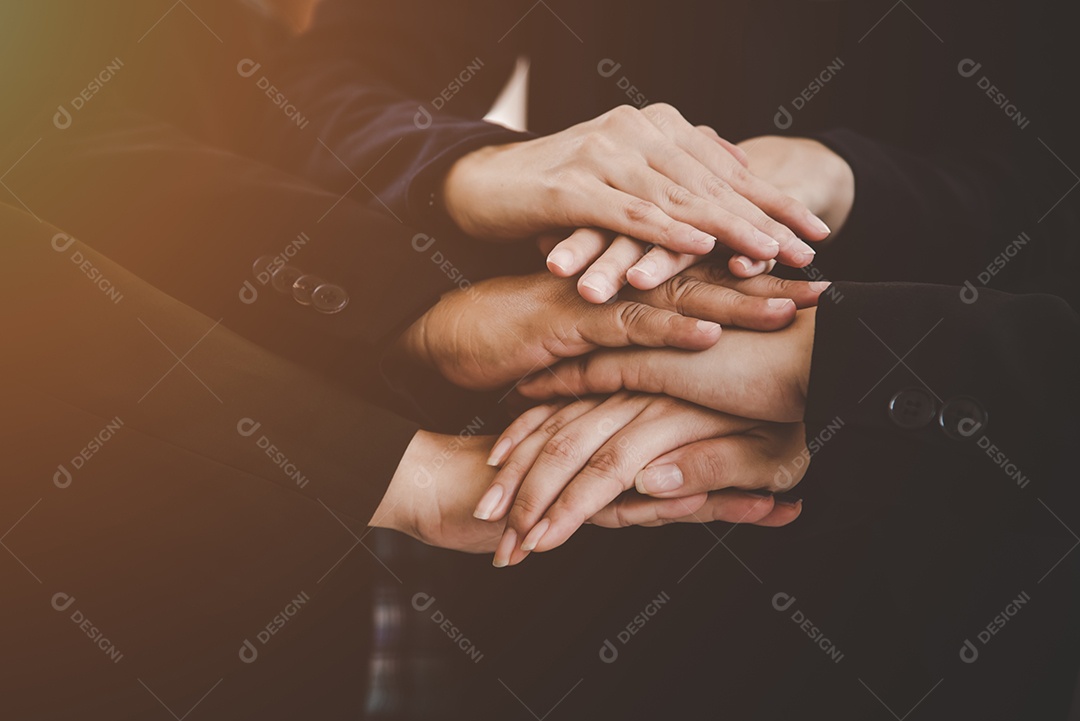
{"x":961,"y":418}
{"x":282,"y":278}
{"x":262,"y":267}
{"x":304,"y":287}
{"x":329,"y":298}
{"x":912,"y":409}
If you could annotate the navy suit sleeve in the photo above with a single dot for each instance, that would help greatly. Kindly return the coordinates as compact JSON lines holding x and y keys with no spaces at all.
{"x":395,"y":93}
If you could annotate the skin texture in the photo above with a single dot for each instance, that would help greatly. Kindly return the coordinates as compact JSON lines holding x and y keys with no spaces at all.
{"x":646,"y":174}
{"x":437,"y":509}
{"x":563,"y":462}
{"x":749,"y":374}
{"x":505,"y":328}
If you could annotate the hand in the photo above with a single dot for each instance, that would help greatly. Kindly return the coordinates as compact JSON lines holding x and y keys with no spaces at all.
{"x":614,"y":260}
{"x":647,"y":173}
{"x":440,"y":479}
{"x":565,"y":462}
{"x":806,"y":170}
{"x":434,"y":490}
{"x":502,"y":329}
{"x":746,"y":373}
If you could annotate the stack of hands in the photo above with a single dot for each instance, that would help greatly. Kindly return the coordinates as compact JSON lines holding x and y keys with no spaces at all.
{"x":670,"y":368}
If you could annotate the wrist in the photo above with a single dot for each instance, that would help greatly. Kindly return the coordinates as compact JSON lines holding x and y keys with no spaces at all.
{"x":415,"y":343}
{"x":463,"y":190}
{"x":839,"y":178}
{"x":435,"y":488}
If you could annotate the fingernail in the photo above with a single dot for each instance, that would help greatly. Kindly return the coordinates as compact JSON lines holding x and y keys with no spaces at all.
{"x":778,"y":303}
{"x":705,"y":240}
{"x":535,"y":536}
{"x":659,"y":479}
{"x":505,"y":549}
{"x":646,"y":267}
{"x":487,"y":503}
{"x":768,"y":243}
{"x":818,"y":223}
{"x":561,"y":258}
{"x":708,"y":327}
{"x":819,"y":286}
{"x":804,"y":258}
{"x":596,"y":282}
{"x":745,"y":262}
{"x":786,"y":499}
{"x":498,"y":453}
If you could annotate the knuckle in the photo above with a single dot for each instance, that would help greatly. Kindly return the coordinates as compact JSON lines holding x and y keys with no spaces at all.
{"x":621,"y":116}
{"x":563,"y":450}
{"x":714,"y":274}
{"x":632,"y":315}
{"x":739,"y":175}
{"x":681,"y":292}
{"x":513,"y":471}
{"x":606,"y":462}
{"x":553,"y":425}
{"x":526,"y":505}
{"x":568,"y":509}
{"x":662,"y":110}
{"x":711,"y":469}
{"x":788,"y":203}
{"x":622,"y":519}
{"x":716,"y":187}
{"x":639,"y":211}
{"x":677,"y":196}
{"x":777,"y":230}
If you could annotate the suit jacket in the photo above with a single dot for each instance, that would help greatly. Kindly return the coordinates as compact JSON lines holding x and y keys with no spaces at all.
{"x":949,"y":114}
{"x":899,"y":603}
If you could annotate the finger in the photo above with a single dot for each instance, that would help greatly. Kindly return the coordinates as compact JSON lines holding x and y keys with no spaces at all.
{"x":631,"y":509}
{"x":607,"y":274}
{"x":565,"y":454}
{"x":688,"y":172}
{"x":743,"y":267}
{"x":746,"y":461}
{"x":500,"y":494}
{"x":675,"y":200}
{"x":625,"y":323}
{"x":571,"y":255}
{"x":805,"y":294}
{"x":612,"y":467}
{"x":522,"y":427}
{"x":726,"y":506}
{"x":742,"y":507}
{"x":648,"y":371}
{"x":658,"y":266}
{"x":738,"y":153}
{"x":695,"y":298}
{"x":764,"y":195}
{"x":640,"y":218}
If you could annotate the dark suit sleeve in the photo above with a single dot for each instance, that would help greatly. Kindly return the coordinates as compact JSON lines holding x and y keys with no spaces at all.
{"x":98,"y":338}
{"x":193,"y":221}
{"x":395,"y":93}
{"x":947,"y":370}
